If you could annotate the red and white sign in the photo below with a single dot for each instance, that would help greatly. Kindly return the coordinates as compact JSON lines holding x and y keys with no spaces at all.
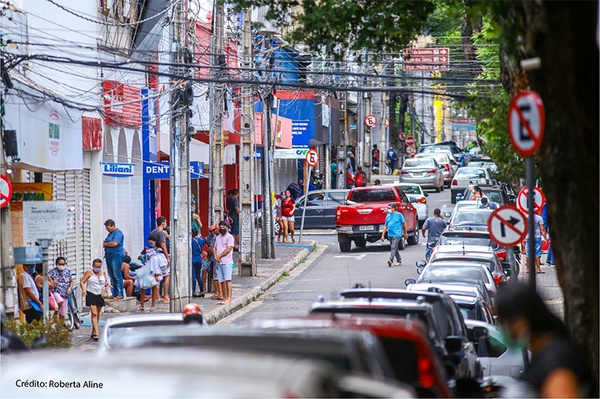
{"x":410,"y":140}
{"x":507,"y":226}
{"x":410,"y":150}
{"x":312,"y":157}
{"x":538,"y":199}
{"x":370,"y":120}
{"x":526,"y":120}
{"x":387,"y":122}
{"x":402,"y":136}
{"x":426,"y":60}
{"x":6,"y":191}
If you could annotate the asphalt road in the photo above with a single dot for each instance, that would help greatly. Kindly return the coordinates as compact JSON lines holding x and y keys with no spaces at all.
{"x":327,"y":271}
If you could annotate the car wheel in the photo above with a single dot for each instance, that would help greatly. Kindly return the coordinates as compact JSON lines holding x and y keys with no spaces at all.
{"x":414,"y":239}
{"x":360,"y":242}
{"x":345,"y":246}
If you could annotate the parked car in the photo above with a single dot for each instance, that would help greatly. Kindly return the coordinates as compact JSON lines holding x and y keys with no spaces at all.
{"x":423,"y":171}
{"x":494,"y":194}
{"x":448,"y":145}
{"x":404,"y":342}
{"x":444,"y":160}
{"x":469,"y":218}
{"x":448,"y":271}
{"x":484,"y":164}
{"x":471,"y":253}
{"x":362,"y":218}
{"x":466,"y":176}
{"x":117,"y":330}
{"x":320,"y":208}
{"x":500,"y":361}
{"x":473,"y":308}
{"x":469,"y":288}
{"x":416,"y":191}
{"x":167,"y":373}
{"x":437,"y":150}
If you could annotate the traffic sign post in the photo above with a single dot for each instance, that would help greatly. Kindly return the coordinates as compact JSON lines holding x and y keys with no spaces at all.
{"x":410,"y":150}
{"x":526,"y":122}
{"x":410,"y":140}
{"x":5,"y":191}
{"x":312,"y":159}
{"x":370,"y":120}
{"x":402,"y":136}
{"x":538,"y":199}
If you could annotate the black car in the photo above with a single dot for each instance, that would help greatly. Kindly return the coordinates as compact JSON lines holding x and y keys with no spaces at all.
{"x":319,"y":208}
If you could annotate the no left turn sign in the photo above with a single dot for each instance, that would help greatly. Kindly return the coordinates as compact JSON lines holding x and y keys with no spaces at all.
{"x":538,"y":199}
{"x":526,"y":119}
{"x":5,"y":191}
{"x":507,"y":226}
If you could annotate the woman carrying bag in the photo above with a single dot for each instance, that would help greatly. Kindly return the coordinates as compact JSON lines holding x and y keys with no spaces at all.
{"x":93,"y":282}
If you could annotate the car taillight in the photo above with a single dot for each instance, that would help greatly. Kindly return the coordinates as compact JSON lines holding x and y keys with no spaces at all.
{"x":501,"y":254}
{"x":497,"y":278}
{"x":447,"y":167}
{"x":432,"y":171}
{"x":403,"y":172}
{"x":426,"y":376}
{"x":454,"y":182}
{"x":422,"y":200}
{"x":487,"y":181}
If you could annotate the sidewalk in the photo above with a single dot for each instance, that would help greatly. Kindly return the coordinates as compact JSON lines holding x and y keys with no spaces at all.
{"x":245,"y":290}
{"x":547,"y":286}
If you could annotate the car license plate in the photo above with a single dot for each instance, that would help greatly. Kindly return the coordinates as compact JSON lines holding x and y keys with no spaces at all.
{"x":419,"y":174}
{"x":366,"y":228}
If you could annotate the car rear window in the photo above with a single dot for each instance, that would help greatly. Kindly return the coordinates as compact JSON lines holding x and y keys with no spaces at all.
{"x":372,"y":195}
{"x":402,"y":355}
{"x":441,"y":159}
{"x":471,"y":217}
{"x":494,"y":196}
{"x":416,"y":162}
{"x":470,"y":174}
{"x":441,"y":272}
{"x":411,"y":189}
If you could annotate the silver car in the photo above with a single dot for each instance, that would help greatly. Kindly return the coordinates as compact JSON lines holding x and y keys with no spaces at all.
{"x":423,"y":171}
{"x":466,"y":176}
{"x":445,"y":161}
{"x":416,"y":191}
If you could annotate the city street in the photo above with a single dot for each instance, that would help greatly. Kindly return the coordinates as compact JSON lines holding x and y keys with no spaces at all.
{"x":327,"y":271}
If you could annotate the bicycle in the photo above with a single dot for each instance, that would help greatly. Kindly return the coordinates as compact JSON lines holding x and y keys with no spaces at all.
{"x":72,"y":319}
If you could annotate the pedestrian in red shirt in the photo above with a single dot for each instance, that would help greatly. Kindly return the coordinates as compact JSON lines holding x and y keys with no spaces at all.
{"x":288,"y":207}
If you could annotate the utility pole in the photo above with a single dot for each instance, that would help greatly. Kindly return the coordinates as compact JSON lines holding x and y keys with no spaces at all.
{"x":217,"y":106}
{"x":181,"y":98}
{"x":246,"y":163}
{"x":341,"y":163}
{"x":383,"y":130}
{"x":267,"y":243}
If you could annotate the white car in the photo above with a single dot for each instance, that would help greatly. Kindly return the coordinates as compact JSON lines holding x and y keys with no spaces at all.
{"x":466,"y":176}
{"x":416,"y":191}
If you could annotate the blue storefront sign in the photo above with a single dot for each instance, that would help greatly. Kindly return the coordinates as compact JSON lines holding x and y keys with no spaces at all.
{"x":162,"y":170}
{"x":301,"y":133}
{"x":117,"y":169}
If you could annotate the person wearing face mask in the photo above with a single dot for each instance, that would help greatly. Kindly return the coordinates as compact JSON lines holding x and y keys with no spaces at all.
{"x":63,"y":284}
{"x":29,"y":297}
{"x":93,"y":282}
{"x":395,"y":227}
{"x":556,"y":369}
{"x":224,"y":261}
{"x":150,"y":275}
{"x":288,"y":207}
{"x":160,"y":238}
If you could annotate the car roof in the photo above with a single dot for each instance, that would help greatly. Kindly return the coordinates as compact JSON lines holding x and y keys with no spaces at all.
{"x":464,"y":299}
{"x":390,"y":293}
{"x":448,"y":289}
{"x":464,"y":249}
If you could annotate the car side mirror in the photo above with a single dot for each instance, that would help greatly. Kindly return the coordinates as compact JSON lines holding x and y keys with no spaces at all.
{"x":426,"y":194}
{"x":453,"y":344}
{"x":409,"y":281}
{"x":478,"y":333}
{"x":459,"y":197}
{"x":420,"y":266}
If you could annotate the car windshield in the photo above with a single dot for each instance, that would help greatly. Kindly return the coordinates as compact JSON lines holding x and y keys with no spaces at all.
{"x":470,"y":174}
{"x":471,"y":217}
{"x":418,"y":162}
{"x":372,"y":195}
{"x":411,"y":189}
{"x":448,"y":272}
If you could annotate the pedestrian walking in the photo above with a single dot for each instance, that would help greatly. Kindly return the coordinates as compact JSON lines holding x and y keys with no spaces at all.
{"x":114,"y":254}
{"x":538,"y":232}
{"x":29,"y":297}
{"x":160,"y":239}
{"x":93,"y":282}
{"x":62,"y":280}
{"x":288,"y":207}
{"x":391,"y":156}
{"x":549,"y":254}
{"x":360,"y":177}
{"x":278,"y":220}
{"x":435,"y":226}
{"x":197,"y":258}
{"x":224,"y":258}
{"x":395,"y":227}
{"x":556,"y":369}
{"x":350,"y":177}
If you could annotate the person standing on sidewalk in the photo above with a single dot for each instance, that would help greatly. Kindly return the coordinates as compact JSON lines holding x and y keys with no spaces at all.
{"x":395,"y":227}
{"x":29,"y":296}
{"x":160,"y":238}
{"x":233,"y":210}
{"x":391,"y":156}
{"x":550,"y":254}
{"x":538,"y":232}
{"x":435,"y":226}
{"x":114,"y":254}
{"x":288,"y":207}
{"x":224,"y":258}
{"x":197,"y":245}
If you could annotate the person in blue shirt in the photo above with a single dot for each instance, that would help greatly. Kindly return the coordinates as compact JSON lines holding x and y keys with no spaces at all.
{"x":197,"y":245}
{"x":549,"y":255}
{"x":395,"y":227}
{"x":486,"y":204}
{"x":114,"y":254}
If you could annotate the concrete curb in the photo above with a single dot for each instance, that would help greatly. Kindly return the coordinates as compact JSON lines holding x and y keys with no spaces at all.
{"x":214,"y":316}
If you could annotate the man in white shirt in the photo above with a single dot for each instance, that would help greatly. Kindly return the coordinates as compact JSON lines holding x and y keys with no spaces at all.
{"x":224,"y":261}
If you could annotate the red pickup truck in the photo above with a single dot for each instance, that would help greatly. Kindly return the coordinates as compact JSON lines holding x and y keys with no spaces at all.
{"x":363,"y":217}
